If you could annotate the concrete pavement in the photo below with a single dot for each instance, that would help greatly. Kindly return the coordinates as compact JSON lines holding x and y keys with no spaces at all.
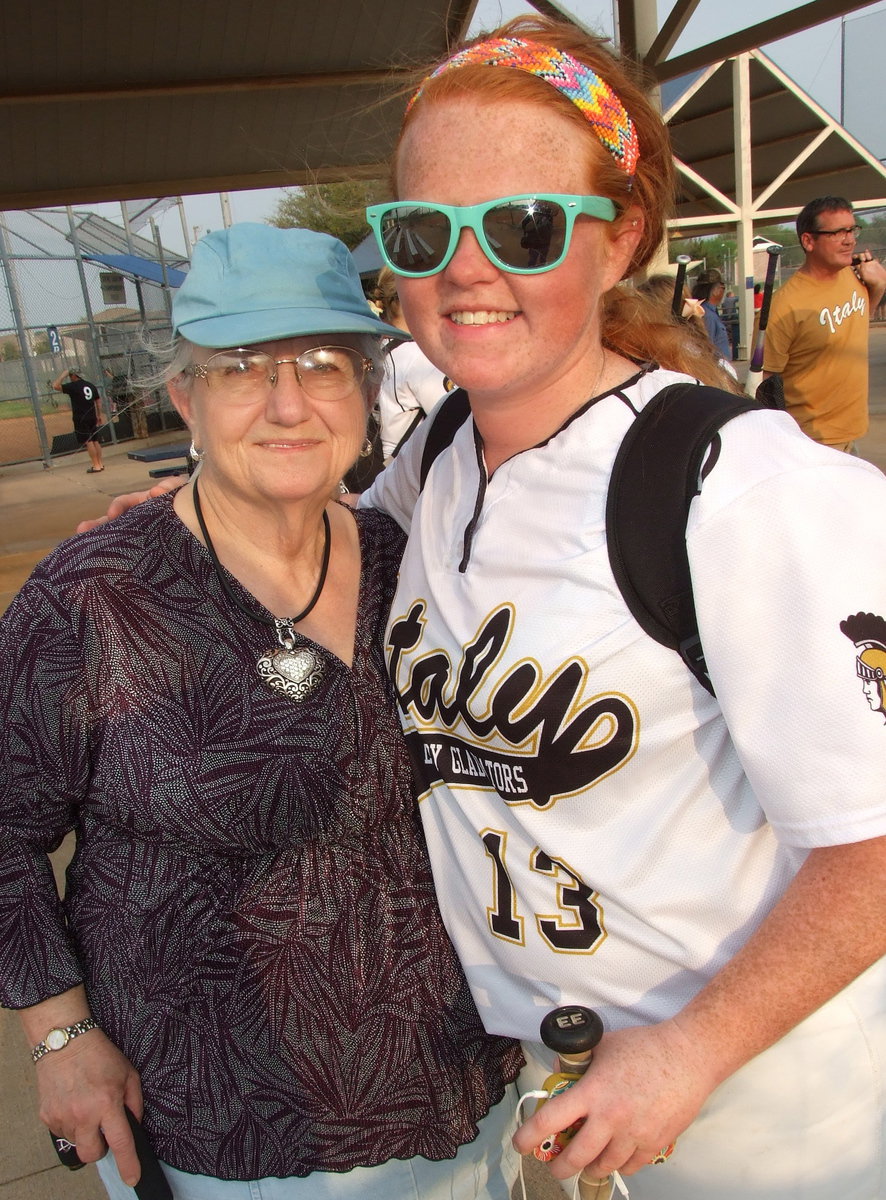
{"x":40,"y":508}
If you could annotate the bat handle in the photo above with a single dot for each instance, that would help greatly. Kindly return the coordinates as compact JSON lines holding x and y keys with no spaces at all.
{"x":572,"y":1032}
{"x":683,"y":261}
{"x":152,"y":1184}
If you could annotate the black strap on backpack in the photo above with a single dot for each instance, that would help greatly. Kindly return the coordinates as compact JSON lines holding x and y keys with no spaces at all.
{"x":448,"y":419}
{"x":417,"y":418}
{"x":654,"y":479}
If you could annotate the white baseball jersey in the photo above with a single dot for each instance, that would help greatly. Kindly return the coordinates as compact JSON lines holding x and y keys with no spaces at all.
{"x":602,"y":830}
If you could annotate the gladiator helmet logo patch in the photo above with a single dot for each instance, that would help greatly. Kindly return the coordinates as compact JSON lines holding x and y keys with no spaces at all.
{"x":868,"y":631}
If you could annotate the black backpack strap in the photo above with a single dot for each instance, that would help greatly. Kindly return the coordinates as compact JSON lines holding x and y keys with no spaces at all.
{"x":417,"y":418}
{"x":654,"y":479}
{"x":445,"y":423}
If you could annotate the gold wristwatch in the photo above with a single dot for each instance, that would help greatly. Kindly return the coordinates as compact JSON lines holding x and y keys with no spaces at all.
{"x":57,"y":1039}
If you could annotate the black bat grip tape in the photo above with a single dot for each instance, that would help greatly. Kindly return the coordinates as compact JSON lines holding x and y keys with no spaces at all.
{"x":152,"y":1183}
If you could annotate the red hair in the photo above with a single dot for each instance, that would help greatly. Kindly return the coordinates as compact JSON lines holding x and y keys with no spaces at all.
{"x":653,"y":182}
{"x":631,"y":324}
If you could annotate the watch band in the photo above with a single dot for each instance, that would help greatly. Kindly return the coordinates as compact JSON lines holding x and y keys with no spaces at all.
{"x":57,"y":1039}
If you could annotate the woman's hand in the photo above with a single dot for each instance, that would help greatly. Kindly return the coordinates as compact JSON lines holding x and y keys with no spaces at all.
{"x":83,"y":1089}
{"x":648,"y":1083}
{"x":644,"y":1087}
{"x":121,"y":504}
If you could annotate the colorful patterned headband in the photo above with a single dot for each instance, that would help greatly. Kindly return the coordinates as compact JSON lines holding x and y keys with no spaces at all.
{"x":579,"y":83}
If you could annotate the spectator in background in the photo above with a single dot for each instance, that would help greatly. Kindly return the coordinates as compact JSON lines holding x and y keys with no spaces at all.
{"x":660,"y":290}
{"x":86,"y":411}
{"x":729,"y":313}
{"x":709,"y":289}
{"x":412,"y":385}
{"x":817,"y":336}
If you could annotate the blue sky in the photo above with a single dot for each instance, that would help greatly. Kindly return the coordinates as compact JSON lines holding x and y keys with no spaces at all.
{"x":812,"y":59}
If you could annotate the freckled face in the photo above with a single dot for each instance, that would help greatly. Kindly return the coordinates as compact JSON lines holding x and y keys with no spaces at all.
{"x":495,"y":333}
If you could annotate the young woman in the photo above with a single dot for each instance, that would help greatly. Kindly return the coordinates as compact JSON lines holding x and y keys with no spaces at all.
{"x":705,"y":872}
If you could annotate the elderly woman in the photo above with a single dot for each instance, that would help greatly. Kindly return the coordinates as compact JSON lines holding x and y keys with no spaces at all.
{"x":705,"y":871}
{"x":249,"y":955}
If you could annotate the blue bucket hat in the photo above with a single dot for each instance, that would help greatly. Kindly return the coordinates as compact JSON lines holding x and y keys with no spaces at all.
{"x":256,"y":283}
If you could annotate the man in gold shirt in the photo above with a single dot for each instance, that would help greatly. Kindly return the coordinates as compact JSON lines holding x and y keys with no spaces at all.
{"x":817,"y":337}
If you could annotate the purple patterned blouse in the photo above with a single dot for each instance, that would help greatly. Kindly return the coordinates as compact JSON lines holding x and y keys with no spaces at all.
{"x":250,"y":904}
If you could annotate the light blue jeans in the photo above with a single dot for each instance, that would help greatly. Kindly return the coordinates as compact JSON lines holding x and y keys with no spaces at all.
{"x":485,"y":1169}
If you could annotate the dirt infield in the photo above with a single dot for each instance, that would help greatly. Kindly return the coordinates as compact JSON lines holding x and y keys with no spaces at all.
{"x":19,"y":440}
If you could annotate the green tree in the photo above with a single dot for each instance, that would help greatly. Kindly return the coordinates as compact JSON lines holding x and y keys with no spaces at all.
{"x":335,"y":208}
{"x":873,"y":235}
{"x":783,"y":235}
{"x":695,"y":247}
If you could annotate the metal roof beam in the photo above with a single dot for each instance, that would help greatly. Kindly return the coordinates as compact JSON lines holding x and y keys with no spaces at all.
{"x":458,"y":22}
{"x":675,"y":22}
{"x":191,"y":87}
{"x":793,"y":168}
{"x":186,"y":186}
{"x":700,"y":181}
{"x":547,"y":9}
{"x":805,"y":16}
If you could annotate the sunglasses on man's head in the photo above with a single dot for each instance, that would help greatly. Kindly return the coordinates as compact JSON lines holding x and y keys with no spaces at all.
{"x":521,"y":234}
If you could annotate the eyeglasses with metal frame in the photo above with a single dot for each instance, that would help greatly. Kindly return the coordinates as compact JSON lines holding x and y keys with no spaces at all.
{"x":323,"y":373}
{"x":523,"y":235}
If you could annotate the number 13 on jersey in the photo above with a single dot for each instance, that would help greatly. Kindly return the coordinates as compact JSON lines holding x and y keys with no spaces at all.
{"x":575,"y":923}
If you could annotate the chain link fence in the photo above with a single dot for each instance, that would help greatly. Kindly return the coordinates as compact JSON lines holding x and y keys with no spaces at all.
{"x":60,"y":311}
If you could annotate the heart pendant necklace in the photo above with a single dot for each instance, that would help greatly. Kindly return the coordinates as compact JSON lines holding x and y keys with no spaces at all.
{"x":289,"y":668}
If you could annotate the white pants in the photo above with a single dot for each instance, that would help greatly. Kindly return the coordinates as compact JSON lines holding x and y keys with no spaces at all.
{"x":484,"y":1169}
{"x":802,"y":1121}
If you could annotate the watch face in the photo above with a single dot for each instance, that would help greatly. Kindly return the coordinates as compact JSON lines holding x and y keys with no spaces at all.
{"x":57,"y":1039}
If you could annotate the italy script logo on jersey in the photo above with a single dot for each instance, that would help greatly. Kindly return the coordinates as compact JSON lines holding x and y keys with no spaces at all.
{"x":868,"y":631}
{"x":530,"y":736}
{"x":834,"y":317}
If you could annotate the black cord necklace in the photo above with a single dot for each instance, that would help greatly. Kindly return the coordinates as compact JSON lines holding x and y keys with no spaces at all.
{"x":293,"y":669}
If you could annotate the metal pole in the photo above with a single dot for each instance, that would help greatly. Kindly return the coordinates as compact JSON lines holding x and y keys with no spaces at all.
{"x":162,"y":257}
{"x":97,"y":358}
{"x":141,"y":304}
{"x":744,"y":195}
{"x":842,"y":68}
{"x":184,"y":220}
{"x":127,"y":228}
{"x":12,"y":288}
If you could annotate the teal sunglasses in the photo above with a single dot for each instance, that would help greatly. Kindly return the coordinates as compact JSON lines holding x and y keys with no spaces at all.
{"x":521,"y":234}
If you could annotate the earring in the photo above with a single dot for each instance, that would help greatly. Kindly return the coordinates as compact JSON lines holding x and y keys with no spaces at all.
{"x":194,"y":454}
{"x":366,"y":449}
